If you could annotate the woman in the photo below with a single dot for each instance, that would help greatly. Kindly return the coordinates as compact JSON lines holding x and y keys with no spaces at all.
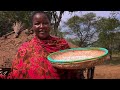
{"x":30,"y":61}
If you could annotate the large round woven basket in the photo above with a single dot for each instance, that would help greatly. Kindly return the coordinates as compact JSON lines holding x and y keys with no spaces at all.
{"x":78,"y":58}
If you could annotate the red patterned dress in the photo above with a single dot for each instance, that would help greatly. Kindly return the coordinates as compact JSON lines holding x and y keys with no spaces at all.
{"x":31,"y":63}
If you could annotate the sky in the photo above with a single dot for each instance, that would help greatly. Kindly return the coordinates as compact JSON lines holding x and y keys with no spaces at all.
{"x":67,"y":15}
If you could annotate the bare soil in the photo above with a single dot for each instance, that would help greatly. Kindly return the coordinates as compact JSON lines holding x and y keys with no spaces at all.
{"x":9,"y":46}
{"x":107,"y":72}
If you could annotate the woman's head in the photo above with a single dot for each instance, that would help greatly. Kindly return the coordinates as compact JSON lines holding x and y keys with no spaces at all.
{"x":41,"y":24}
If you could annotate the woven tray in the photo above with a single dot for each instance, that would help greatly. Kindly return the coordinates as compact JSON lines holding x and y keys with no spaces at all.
{"x":78,"y":58}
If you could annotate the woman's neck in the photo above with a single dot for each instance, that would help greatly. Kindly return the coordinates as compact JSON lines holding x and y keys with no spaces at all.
{"x":47,"y":38}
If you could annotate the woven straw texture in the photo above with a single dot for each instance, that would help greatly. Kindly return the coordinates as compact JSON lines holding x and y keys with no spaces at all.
{"x":86,"y":58}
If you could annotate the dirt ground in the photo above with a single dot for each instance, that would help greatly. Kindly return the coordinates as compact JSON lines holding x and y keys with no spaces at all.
{"x":107,"y":72}
{"x":9,"y":46}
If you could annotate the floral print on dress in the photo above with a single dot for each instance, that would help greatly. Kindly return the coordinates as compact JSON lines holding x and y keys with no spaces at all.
{"x":31,"y":61}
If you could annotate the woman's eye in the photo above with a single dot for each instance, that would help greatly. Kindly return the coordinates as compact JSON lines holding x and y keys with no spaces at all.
{"x":36,"y":24}
{"x":44,"y":23}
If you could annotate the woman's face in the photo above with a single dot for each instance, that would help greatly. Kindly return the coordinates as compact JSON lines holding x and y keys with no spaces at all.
{"x":41,"y":25}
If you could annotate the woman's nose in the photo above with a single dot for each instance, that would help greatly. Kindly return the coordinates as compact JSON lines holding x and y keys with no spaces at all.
{"x":41,"y":25}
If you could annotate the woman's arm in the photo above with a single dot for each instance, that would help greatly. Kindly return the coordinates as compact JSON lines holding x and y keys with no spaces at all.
{"x":72,"y":45}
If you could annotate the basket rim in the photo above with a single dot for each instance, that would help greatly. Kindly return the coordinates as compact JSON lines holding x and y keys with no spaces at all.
{"x":81,"y":60}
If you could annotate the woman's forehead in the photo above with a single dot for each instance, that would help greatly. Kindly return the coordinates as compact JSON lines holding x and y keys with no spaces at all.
{"x":40,"y":15}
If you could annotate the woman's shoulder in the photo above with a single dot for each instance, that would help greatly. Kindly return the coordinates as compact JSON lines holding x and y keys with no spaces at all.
{"x":61,"y":41}
{"x":24,"y":45}
{"x":54,"y":37}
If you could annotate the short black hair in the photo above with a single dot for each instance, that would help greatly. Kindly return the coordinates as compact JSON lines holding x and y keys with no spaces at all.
{"x":44,"y":12}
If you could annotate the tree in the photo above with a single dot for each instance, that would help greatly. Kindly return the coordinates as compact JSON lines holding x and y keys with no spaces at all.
{"x":107,"y":28}
{"x":56,"y":17}
{"x":8,"y":18}
{"x":83,"y":28}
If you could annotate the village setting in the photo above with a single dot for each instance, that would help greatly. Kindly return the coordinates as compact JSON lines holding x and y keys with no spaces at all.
{"x":78,"y":28}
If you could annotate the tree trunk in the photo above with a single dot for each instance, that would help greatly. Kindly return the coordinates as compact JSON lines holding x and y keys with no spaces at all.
{"x":110,"y":57}
{"x":110,"y":53}
{"x":57,"y":22}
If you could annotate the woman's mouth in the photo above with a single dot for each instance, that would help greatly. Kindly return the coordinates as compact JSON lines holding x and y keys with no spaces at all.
{"x":42,"y":32}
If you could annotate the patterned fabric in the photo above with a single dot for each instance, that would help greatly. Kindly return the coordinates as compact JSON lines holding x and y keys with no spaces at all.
{"x":31,"y":63}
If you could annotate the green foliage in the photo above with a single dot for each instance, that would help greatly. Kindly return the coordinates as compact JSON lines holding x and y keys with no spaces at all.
{"x":108,"y":34}
{"x":83,"y":28}
{"x":7,"y":18}
{"x":74,"y":41}
{"x":107,"y":28}
{"x":107,"y":24}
